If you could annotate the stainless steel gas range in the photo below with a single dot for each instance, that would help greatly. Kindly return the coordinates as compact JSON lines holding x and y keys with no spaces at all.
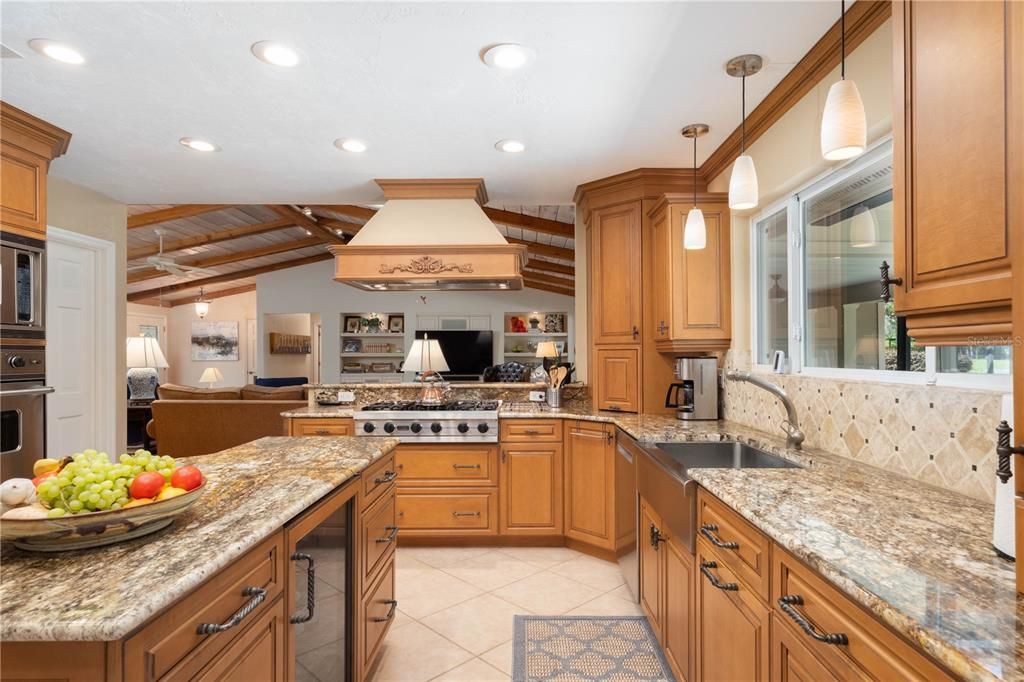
{"x":457,"y":421}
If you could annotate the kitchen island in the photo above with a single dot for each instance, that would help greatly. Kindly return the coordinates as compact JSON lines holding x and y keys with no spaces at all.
{"x":112,"y":594}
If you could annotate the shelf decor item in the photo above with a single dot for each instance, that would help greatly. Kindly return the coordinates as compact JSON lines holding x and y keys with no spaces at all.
{"x":554,"y":323}
{"x":516,"y":324}
{"x":298,"y":344}
{"x":352,"y":346}
{"x":396,"y":324}
{"x":352,"y":324}
{"x":144,"y":358}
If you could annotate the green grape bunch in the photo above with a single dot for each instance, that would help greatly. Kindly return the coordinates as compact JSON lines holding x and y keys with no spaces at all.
{"x":92,"y":482}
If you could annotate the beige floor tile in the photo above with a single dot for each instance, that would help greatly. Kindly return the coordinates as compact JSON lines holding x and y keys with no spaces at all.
{"x":547,"y":593}
{"x":402,"y":618}
{"x":416,"y":653}
{"x":478,"y":625}
{"x":407,"y":562}
{"x":597,"y":573}
{"x":500,"y":657}
{"x":623,"y":592}
{"x":326,"y":626}
{"x":323,"y":665}
{"x":421,"y":593}
{"x":441,"y":557}
{"x":492,"y":570}
{"x":544,"y":557}
{"x":607,"y":605}
{"x":475,"y":670}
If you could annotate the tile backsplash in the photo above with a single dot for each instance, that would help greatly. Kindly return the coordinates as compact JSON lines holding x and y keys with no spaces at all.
{"x":939,"y":435}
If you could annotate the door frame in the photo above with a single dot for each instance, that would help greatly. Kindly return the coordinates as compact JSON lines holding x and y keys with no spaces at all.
{"x":104,"y":367}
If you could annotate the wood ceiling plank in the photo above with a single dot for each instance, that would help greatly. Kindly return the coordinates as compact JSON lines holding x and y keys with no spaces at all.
{"x":549,"y":279}
{"x":225,"y":258}
{"x":357,"y":212}
{"x":532,"y":284}
{"x":349,"y":228}
{"x":226,"y":277}
{"x":302,"y":220}
{"x":173,"y":213}
{"x":211,"y":238}
{"x":531,"y":222}
{"x":546,"y":250}
{"x":209,"y":295}
{"x":538,"y":264}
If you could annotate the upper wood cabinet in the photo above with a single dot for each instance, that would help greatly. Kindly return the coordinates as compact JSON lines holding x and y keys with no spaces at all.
{"x":616,"y":303}
{"x":692,"y":288}
{"x":27,"y":145}
{"x":951,"y":236}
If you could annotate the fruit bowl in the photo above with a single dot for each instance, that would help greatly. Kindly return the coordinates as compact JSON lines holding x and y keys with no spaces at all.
{"x":95,"y":529}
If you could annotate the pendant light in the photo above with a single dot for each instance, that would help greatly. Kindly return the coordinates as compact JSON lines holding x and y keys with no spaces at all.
{"x":863,"y":229}
{"x":695,"y":235}
{"x":743,"y":181}
{"x":843,"y":124}
{"x":202,"y":307}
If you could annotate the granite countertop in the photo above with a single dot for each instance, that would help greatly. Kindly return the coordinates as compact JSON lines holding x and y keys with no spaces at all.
{"x":418,"y":384}
{"x":321,"y":412}
{"x":105,"y":593}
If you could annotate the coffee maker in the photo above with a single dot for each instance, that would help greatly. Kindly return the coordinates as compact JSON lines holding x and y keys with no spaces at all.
{"x":695,"y":396}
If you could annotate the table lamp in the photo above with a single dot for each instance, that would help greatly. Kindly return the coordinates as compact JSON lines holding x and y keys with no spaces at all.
{"x":144,"y":358}
{"x":425,"y":357}
{"x":548,"y":350}
{"x":211,"y":375}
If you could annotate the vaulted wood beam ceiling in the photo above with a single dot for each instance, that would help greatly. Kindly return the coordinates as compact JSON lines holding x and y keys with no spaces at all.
{"x":173,"y":213}
{"x":350,"y":228}
{"x":357,"y":212}
{"x":210,"y":295}
{"x":549,"y":279}
{"x":538,"y":264}
{"x":211,"y":238}
{"x":545,"y":249}
{"x":226,"y":277}
{"x":534,"y":284}
{"x":529,"y":222}
{"x":302,"y":220}
{"x":224,"y":259}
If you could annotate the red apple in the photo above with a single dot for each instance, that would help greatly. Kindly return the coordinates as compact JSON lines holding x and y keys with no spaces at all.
{"x":146,"y":484}
{"x":42,"y":477}
{"x":187,"y":477}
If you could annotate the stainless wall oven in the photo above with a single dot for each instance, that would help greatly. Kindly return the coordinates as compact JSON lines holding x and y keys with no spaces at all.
{"x":22,"y":410}
{"x":22,"y":281}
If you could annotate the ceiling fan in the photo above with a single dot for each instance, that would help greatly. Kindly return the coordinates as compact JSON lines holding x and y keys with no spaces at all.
{"x":169,"y":265}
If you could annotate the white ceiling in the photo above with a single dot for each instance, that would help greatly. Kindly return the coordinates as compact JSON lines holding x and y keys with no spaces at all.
{"x":610,"y":87}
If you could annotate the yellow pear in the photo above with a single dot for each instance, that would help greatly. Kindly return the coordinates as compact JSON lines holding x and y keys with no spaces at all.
{"x":169,"y":492}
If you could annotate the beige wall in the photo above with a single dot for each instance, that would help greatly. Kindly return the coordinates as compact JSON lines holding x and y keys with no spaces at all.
{"x":288,"y":364}
{"x":77,"y":209}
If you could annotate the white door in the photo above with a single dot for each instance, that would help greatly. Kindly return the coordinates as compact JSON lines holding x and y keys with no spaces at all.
{"x":78,"y":334}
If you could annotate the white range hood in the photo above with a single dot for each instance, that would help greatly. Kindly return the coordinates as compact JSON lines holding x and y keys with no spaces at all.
{"x":430,"y":235}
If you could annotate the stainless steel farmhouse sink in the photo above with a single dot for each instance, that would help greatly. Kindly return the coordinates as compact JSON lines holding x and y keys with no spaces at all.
{"x":723,"y":455}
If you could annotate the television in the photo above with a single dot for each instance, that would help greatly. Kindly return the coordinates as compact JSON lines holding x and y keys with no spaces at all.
{"x":467,"y":352}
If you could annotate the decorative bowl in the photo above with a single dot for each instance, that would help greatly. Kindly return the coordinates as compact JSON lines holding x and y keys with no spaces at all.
{"x":95,"y":529}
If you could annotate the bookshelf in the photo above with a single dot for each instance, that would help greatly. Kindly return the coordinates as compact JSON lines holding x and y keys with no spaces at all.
{"x":373,"y":346}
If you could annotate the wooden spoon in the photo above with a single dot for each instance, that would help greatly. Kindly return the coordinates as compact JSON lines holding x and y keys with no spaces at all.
{"x":558,"y":375}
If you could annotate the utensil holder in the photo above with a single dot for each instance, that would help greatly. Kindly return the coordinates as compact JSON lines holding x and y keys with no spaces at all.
{"x":554,"y":396}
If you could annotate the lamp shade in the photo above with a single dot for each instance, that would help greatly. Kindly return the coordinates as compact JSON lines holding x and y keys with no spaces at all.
{"x":425,"y":355}
{"x":695,"y":235}
{"x":202,"y":309}
{"x":863,"y":229}
{"x":743,"y":184}
{"x":843,"y":124}
{"x":211,"y":375}
{"x":547,"y":349}
{"x":144,"y":351}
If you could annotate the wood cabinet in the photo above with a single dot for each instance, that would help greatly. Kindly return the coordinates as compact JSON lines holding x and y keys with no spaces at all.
{"x":652,"y":567}
{"x":590,"y":483}
{"x":27,"y":145}
{"x":692,"y":288}
{"x":951,"y":236}
{"x":256,"y":654}
{"x":321,"y":427}
{"x":791,"y":660}
{"x":617,"y":379}
{"x":530,"y":492}
{"x":616,"y":303}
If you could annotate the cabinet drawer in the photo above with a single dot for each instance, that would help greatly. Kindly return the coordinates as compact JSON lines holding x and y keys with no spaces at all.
{"x":872,"y":650}
{"x":378,"y":613}
{"x":448,"y":465}
{"x":377,"y":478}
{"x":791,"y":659}
{"x":173,"y":639}
{"x":257,"y":654}
{"x":530,"y":430}
{"x":455,"y":511}
{"x":321,"y":427}
{"x":739,"y":545}
{"x":378,"y":534}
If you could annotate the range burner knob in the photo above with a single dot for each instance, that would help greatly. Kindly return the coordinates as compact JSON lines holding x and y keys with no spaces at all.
{"x":435,"y":427}
{"x":368,"y":427}
{"x":389,"y":427}
{"x":16,"y":361}
{"x":416,"y":428}
{"x":483,"y":428}
{"x":463,"y":428}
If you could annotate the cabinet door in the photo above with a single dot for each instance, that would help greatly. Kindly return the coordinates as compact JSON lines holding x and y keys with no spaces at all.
{"x":792,"y":661}
{"x":531,"y":489}
{"x":615,"y":285}
{"x":700,"y":286}
{"x":257,"y":654}
{"x":950,"y":232}
{"x":732,"y":624}
{"x":22,"y":192}
{"x":589,"y":483}
{"x":661,"y":262}
{"x":651,"y":567}
{"x":618,"y":379}
{"x":677,"y":634}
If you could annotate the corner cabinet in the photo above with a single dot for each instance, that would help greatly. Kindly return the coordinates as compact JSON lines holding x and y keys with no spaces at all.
{"x":951,"y":214}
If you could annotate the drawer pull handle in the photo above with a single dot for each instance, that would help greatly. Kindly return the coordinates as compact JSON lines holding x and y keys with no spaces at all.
{"x":590,"y":434}
{"x":310,"y":587}
{"x":459,"y":514}
{"x":390,"y":537}
{"x":886,"y":280}
{"x":257,"y":594}
{"x":612,"y":408}
{"x":391,"y":612}
{"x":386,"y":478}
{"x":656,"y":537}
{"x":705,"y":567}
{"x":788,"y":601}
{"x":323,"y":432}
{"x":708,"y":531}
{"x":531,"y":432}
{"x":465,"y":466}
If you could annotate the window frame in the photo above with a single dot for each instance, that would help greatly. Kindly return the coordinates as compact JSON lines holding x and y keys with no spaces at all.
{"x":792,"y":202}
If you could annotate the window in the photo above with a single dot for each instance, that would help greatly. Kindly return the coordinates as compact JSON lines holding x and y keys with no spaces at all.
{"x":816,"y":259}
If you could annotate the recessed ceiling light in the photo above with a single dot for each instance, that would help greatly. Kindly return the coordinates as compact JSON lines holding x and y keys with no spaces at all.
{"x":510,"y":146}
{"x":350,"y":145}
{"x":59,"y":51}
{"x":198,"y":145}
{"x":507,"y":56}
{"x":275,"y":53}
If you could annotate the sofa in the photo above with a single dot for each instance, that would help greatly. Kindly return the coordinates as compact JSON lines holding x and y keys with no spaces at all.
{"x":191,"y":421}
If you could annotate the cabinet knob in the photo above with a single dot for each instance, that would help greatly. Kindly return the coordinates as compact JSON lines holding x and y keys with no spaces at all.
{"x":636,"y":332}
{"x":886,"y":280}
{"x":1004,"y":450}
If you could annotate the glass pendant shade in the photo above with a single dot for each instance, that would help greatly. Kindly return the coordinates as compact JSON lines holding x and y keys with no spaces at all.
{"x":695,"y":235}
{"x":202,"y":308}
{"x":843,"y":125}
{"x":863,"y":229}
{"x":743,"y":184}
